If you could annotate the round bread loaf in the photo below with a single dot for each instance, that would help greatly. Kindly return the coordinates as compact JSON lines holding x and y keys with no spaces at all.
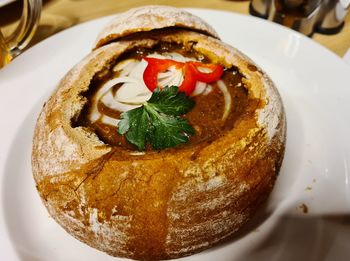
{"x":159,"y":204}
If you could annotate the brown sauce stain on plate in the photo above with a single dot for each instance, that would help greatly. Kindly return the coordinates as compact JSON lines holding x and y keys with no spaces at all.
{"x":304,"y":208}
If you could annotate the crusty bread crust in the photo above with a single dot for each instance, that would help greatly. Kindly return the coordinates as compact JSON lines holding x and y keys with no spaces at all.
{"x":159,"y":205}
{"x":152,"y":17}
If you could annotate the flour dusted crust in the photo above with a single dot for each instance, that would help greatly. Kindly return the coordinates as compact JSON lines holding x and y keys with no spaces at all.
{"x":147,"y":18}
{"x":159,"y":205}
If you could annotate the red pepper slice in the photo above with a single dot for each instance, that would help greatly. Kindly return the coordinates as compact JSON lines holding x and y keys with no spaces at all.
{"x":191,"y":73}
{"x":189,"y":80}
{"x":213,"y":76}
{"x":156,"y":66}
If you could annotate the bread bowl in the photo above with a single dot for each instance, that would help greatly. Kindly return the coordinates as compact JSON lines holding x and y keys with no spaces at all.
{"x":158,"y":204}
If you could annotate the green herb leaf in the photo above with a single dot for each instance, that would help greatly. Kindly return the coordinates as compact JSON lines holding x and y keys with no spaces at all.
{"x":158,"y":121}
{"x":170,"y":101}
{"x":136,"y":125}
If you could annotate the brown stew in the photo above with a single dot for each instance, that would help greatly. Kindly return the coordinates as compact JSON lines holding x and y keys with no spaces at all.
{"x":205,"y":117}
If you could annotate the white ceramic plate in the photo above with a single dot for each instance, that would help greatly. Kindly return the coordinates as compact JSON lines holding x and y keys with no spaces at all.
{"x":315,"y":87}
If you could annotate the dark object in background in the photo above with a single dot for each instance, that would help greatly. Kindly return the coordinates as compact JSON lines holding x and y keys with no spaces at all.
{"x":305,"y":16}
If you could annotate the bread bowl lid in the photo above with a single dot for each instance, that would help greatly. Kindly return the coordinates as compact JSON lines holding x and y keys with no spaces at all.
{"x":151,"y":17}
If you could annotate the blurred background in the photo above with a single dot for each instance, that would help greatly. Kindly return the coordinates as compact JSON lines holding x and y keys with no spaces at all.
{"x":58,"y":15}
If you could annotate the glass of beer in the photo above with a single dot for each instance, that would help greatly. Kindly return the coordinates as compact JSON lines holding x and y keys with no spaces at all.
{"x":13,"y":44}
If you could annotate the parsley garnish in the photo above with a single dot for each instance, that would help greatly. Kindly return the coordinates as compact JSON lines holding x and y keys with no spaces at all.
{"x":158,"y":121}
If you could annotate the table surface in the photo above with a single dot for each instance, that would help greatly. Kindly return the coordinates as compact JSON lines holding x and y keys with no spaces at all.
{"x":58,"y":15}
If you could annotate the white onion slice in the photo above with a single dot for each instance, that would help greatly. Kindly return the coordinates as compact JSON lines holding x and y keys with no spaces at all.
{"x":165,"y":75}
{"x":133,"y":93}
{"x":170,"y":71}
{"x":199,"y":89}
{"x":95,"y":115}
{"x":227,"y":98}
{"x":180,"y":58}
{"x":109,"y":120}
{"x":178,"y":79}
{"x":110,"y":102}
{"x":175,"y":79}
{"x":208,"y":90}
{"x":127,"y":70}
{"x":173,"y":56}
{"x":137,"y":71}
{"x":125,"y":66}
{"x":158,"y":56}
{"x":204,"y":69}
